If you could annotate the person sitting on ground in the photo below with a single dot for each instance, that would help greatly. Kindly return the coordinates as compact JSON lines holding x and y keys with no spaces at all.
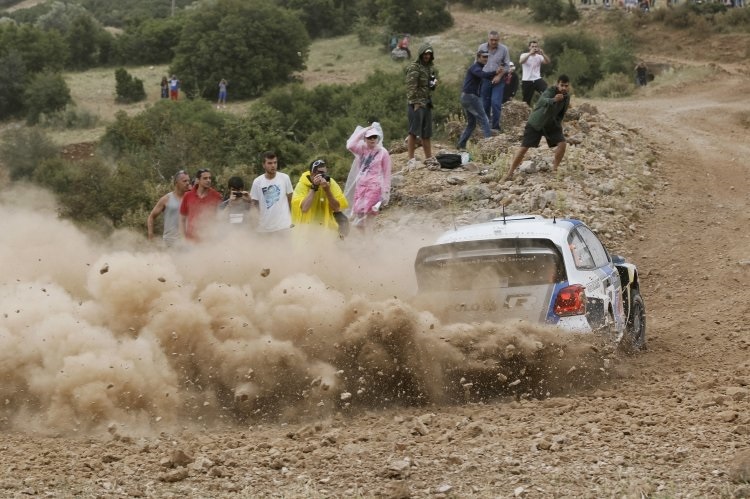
{"x":546,"y":121}
{"x":317,"y":197}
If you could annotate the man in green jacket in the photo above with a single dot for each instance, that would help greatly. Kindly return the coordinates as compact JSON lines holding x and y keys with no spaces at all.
{"x":546,"y":121}
{"x":421,"y":80}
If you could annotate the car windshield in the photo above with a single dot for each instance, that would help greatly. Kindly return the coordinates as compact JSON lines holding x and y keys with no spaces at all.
{"x":475,"y":265}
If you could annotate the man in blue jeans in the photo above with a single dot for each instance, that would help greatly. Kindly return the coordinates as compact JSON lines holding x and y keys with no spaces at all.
{"x":470,"y":101}
{"x":498,"y":63}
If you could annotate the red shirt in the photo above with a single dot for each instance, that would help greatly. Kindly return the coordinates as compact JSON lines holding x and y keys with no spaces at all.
{"x":198,"y":210}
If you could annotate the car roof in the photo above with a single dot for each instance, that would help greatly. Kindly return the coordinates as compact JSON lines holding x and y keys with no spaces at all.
{"x":511,"y":227}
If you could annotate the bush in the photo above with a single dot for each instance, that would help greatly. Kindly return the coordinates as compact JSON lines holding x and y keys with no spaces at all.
{"x":553,"y":11}
{"x":46,"y":93}
{"x":239,"y":41}
{"x":70,"y":118}
{"x":617,"y":57}
{"x":23,"y":149}
{"x":128,"y":88}
{"x":614,"y":86}
{"x":586,"y":69}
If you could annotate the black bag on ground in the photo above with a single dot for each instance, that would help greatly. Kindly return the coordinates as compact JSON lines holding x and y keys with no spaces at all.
{"x":449,"y":160}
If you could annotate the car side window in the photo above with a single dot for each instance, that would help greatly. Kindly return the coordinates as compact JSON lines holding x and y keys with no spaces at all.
{"x":581,"y":254}
{"x":600,"y":255}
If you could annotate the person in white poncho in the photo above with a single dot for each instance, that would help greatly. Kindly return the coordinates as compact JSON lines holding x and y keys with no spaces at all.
{"x":368,"y":186}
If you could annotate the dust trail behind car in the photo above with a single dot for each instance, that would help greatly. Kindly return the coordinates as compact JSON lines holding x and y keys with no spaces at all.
{"x":98,"y":332}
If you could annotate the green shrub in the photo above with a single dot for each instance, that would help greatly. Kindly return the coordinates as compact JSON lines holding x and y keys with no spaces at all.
{"x":583,"y":60}
{"x":617,"y":57}
{"x":614,"y":86}
{"x":69,"y":118}
{"x":546,"y":10}
{"x":46,"y":93}
{"x":23,"y":149}
{"x":128,"y":88}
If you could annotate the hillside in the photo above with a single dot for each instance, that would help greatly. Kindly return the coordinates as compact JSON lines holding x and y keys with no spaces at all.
{"x":137,"y":409}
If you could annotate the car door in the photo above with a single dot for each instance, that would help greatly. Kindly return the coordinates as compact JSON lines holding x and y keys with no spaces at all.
{"x":604,"y":274}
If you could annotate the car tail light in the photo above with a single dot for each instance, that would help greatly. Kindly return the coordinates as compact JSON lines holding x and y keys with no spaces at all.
{"x":571,"y":301}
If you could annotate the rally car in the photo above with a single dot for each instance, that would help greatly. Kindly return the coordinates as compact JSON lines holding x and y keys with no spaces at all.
{"x":531,"y":268}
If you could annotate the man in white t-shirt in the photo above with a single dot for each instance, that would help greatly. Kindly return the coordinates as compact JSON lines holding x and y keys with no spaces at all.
{"x":271,"y":193}
{"x":532,"y":80}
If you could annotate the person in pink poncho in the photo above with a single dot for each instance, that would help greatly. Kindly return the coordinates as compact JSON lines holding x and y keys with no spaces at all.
{"x":368,"y":186}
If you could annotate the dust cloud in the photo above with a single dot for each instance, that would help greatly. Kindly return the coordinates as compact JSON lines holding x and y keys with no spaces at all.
{"x":97,"y":331}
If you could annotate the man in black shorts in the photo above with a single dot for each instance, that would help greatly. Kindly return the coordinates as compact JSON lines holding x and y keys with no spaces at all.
{"x":546,"y":121}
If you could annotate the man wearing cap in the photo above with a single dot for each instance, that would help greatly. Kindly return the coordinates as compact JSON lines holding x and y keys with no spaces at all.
{"x":271,"y":193}
{"x":198,"y":207}
{"x":421,"y":80}
{"x":498,"y":63}
{"x":531,"y":79}
{"x":511,"y":84}
{"x":317,"y":197}
{"x":470,"y":100}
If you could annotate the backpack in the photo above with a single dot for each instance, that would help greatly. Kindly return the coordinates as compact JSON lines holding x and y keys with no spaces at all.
{"x":449,"y":161}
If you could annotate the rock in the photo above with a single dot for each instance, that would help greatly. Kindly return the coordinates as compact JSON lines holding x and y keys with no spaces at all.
{"x":174,"y":475}
{"x":180,"y":458}
{"x":398,"y":468}
{"x":740,"y":469}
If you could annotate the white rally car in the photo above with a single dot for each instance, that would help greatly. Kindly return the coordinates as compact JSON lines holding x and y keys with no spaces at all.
{"x":527,"y":267}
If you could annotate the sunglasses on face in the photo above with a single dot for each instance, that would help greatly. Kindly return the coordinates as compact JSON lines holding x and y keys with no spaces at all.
{"x":317,"y":163}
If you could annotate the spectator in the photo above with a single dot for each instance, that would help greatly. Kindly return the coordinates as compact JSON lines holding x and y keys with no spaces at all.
{"x":546,"y":121}
{"x":198,"y":207}
{"x":368,"y":186}
{"x":317,"y":197}
{"x":237,"y":203}
{"x":164,"y":87}
{"x":641,"y":74}
{"x":498,"y":63}
{"x":531,"y":77}
{"x":174,"y":88}
{"x":169,"y":204}
{"x":272,"y":193}
{"x":470,"y":100}
{"x":222,"y":102}
{"x":421,"y":80}
{"x":511,"y":84}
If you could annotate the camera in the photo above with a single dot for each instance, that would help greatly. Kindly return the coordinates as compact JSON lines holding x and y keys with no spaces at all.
{"x":433,"y":81}
{"x":326,"y":177}
{"x":237,"y":194}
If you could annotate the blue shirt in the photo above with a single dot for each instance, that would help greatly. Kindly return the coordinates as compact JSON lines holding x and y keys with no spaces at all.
{"x":473,"y":78}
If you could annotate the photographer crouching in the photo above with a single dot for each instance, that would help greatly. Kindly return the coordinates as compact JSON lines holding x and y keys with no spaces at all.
{"x":318,"y":199}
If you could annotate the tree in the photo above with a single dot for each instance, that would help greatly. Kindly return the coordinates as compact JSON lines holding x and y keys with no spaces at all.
{"x":47,"y":92}
{"x":415,"y":16}
{"x":151,"y":42}
{"x":39,"y":49}
{"x":253,"y":45}
{"x":82,"y":40}
{"x":128,"y":88}
{"x":12,"y":80}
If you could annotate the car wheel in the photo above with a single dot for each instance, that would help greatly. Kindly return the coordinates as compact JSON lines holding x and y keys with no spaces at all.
{"x":635,"y":330}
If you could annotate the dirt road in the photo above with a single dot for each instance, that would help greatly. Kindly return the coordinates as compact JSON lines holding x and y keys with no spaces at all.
{"x":673,"y":421}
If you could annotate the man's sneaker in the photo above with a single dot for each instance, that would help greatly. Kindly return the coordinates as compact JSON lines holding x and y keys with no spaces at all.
{"x":432,"y":163}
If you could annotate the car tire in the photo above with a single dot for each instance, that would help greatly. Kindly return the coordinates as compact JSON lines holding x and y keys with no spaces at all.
{"x":635,"y":329}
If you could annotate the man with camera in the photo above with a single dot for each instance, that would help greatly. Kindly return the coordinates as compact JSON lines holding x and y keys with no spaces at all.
{"x":317,"y":198}
{"x":421,"y":80}
{"x":546,"y":121}
{"x":236,"y":206}
{"x":271,"y":193}
{"x":531,"y":63}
